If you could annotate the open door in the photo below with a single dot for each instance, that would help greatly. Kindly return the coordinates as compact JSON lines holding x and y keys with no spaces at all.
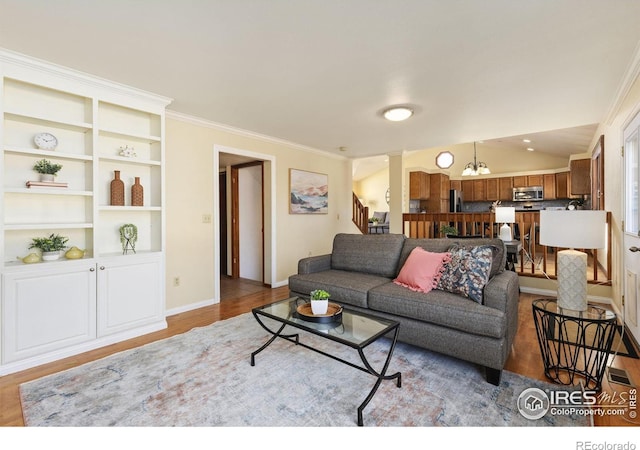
{"x":247,"y":218}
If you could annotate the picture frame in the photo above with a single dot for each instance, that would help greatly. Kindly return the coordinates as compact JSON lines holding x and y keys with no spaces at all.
{"x":308,"y":192}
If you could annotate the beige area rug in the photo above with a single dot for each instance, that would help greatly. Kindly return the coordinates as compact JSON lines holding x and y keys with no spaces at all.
{"x":204,"y":378}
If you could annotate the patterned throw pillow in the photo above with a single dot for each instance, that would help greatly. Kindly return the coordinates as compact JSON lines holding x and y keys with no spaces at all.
{"x":422,"y":270}
{"x":468,"y":272}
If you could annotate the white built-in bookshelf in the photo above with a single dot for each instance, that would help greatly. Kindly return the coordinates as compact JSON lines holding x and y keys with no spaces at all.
{"x":56,"y":308}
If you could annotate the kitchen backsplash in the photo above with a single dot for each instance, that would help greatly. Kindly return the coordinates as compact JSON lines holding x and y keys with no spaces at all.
{"x":526,"y":206}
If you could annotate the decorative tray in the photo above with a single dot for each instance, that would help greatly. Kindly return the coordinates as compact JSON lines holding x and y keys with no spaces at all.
{"x":333,"y":314}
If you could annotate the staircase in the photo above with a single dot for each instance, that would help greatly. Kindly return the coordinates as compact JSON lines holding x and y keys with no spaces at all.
{"x":360,"y":215}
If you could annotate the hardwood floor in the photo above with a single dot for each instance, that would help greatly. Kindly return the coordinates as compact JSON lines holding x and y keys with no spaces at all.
{"x":240,"y":297}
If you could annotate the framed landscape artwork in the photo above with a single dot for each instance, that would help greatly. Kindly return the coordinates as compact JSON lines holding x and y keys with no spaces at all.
{"x":308,"y":192}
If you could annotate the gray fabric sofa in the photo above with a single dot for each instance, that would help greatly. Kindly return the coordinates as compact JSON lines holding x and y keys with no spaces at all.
{"x":359,"y":274}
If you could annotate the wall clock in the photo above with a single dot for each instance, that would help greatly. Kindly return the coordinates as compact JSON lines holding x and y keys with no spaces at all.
{"x":45,"y":141}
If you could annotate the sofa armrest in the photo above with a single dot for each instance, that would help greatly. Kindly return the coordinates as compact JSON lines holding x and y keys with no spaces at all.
{"x":314,"y":264}
{"x":502,"y":291}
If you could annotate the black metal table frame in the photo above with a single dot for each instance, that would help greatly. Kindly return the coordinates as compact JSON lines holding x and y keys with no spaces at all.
{"x":295,"y":338}
{"x":562,"y":352}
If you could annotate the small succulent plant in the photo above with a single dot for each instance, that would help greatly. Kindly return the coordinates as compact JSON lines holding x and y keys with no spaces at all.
{"x":320,"y":294}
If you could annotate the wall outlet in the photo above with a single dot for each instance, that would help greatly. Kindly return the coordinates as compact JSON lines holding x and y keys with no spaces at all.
{"x":206,"y":218}
{"x":176,"y":281}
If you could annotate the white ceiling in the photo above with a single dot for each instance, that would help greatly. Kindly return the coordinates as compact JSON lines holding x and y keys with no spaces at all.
{"x":319,"y":72}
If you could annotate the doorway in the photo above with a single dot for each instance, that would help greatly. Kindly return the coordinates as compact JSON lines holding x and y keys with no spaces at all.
{"x":224,"y":158}
{"x":631,"y":231}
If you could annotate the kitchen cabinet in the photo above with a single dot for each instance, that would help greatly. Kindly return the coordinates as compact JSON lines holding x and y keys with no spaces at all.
{"x":562,"y":185}
{"x":419,"y":186}
{"x":439,"y":198}
{"x":520,"y":181}
{"x":492,"y":189}
{"x":467,"y":190}
{"x":479,"y":190}
{"x":506,"y":188}
{"x":580,"y":176}
{"x":535,"y":180}
{"x":549,"y":186}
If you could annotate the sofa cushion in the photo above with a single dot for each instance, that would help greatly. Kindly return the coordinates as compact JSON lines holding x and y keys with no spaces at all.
{"x":440,"y":308}
{"x":422,"y":270}
{"x":467,"y":272}
{"x":345,"y":287}
{"x":369,"y":253}
{"x":445,"y":244}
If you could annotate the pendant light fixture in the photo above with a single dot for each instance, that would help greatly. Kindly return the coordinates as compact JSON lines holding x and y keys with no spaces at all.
{"x":475,"y":167}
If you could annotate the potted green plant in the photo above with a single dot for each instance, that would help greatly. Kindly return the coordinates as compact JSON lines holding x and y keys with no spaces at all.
{"x":448,"y":230}
{"x":46,"y":169}
{"x":50,"y":246}
{"x":319,"y":301}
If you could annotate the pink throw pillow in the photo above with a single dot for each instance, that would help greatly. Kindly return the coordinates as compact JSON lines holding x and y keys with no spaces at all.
{"x":422,"y":270}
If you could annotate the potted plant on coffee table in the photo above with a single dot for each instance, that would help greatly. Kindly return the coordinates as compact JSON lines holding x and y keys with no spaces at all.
{"x":50,"y":246}
{"x":47,"y":169}
{"x":319,"y":301}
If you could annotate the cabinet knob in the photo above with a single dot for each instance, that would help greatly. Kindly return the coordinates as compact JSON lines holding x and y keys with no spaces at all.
{"x":101,"y":267}
{"x":634,"y":249}
{"x":93,"y":269}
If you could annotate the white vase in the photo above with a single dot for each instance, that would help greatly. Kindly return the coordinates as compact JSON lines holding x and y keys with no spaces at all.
{"x":319,"y":306}
{"x":50,"y":256}
{"x":49,"y":178}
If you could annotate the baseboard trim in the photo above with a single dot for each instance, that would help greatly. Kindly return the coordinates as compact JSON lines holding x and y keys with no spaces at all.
{"x":191,"y":307}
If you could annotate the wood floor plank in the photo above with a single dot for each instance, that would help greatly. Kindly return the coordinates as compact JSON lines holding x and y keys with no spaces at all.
{"x":525,"y":356}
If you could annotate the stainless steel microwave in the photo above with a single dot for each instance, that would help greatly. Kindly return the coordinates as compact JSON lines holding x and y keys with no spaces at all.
{"x":528,"y":194}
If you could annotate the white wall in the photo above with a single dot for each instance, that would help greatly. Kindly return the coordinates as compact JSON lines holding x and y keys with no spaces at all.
{"x":191,"y":184}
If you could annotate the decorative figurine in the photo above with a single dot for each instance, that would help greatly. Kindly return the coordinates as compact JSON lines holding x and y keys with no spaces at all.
{"x":128,"y":237}
{"x":127,"y":152}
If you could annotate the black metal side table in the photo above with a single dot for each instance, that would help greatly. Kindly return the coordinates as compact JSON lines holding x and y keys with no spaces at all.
{"x":574,"y":343}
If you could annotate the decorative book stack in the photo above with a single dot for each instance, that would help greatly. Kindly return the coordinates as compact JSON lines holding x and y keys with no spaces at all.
{"x":47,"y":184}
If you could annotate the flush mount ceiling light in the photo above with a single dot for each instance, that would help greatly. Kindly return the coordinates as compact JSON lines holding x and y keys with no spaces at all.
{"x":397,"y":113}
{"x":475,"y":167}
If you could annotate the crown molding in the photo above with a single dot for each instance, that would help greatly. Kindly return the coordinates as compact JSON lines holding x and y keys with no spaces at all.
{"x":14,"y":64}
{"x":175,"y":115}
{"x":631,"y":75}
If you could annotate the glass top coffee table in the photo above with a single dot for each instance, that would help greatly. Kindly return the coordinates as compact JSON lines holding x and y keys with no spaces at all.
{"x":354,"y":329}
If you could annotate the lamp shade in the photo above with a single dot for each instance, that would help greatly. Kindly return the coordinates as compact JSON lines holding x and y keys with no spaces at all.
{"x":505,"y":214}
{"x":573,"y":229}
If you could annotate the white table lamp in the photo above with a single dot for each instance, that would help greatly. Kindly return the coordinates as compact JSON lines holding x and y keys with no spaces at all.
{"x":505,"y":215}
{"x":583,"y":229}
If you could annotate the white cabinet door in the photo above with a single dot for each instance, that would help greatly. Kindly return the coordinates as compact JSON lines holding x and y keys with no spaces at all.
{"x":47,"y":309}
{"x":130,"y":293}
